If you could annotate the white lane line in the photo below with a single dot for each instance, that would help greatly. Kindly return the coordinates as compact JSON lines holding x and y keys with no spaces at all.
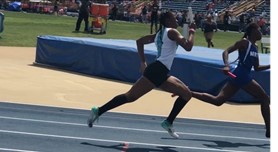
{"x":74,"y":108}
{"x":125,"y":118}
{"x":15,"y":150}
{"x":131,"y":129}
{"x":116,"y":141}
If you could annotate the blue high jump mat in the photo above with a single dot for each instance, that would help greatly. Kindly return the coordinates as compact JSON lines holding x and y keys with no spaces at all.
{"x":118,"y":59}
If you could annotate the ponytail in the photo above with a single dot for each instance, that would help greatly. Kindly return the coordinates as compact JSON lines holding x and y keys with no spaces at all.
{"x":160,"y":32}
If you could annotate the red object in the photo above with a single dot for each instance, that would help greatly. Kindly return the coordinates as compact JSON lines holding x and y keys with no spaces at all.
{"x":104,"y":10}
{"x":95,"y":9}
{"x":100,"y":9}
{"x":231,"y":75}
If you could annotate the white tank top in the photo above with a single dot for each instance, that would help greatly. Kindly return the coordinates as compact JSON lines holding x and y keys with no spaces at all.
{"x":166,"y":48}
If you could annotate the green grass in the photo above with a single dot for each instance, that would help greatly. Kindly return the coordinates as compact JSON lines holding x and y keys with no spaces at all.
{"x":22,"y":29}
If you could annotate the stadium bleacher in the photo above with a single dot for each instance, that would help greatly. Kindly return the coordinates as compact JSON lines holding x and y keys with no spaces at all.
{"x":236,"y":7}
{"x":200,"y":6}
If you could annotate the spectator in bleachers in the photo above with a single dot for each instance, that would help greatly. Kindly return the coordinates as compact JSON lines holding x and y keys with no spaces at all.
{"x":198,"y":19}
{"x":209,"y":27}
{"x":241,"y":22}
{"x":144,"y":14}
{"x":114,"y":11}
{"x":226,"y":21}
{"x":209,"y":7}
{"x":154,"y":15}
{"x":262,"y":24}
{"x":56,"y":9}
{"x":179,"y":18}
{"x":264,"y":14}
{"x":267,"y":30}
{"x":249,"y":19}
{"x":184,"y":16}
{"x":121,"y":11}
{"x":203,"y":19}
{"x":252,"y":14}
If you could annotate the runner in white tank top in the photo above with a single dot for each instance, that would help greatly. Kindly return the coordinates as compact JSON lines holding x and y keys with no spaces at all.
{"x":156,"y":74}
{"x":166,"y":49}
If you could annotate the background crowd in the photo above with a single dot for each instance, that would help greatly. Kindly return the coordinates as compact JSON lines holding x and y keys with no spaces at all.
{"x":224,"y":13}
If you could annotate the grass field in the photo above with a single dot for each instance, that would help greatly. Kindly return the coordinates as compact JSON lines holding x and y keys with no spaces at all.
{"x":22,"y":29}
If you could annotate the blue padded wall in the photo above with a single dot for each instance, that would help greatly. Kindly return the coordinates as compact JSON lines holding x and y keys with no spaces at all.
{"x":118,"y":59}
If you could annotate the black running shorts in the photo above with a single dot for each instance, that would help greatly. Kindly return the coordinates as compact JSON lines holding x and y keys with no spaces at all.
{"x":157,"y":73}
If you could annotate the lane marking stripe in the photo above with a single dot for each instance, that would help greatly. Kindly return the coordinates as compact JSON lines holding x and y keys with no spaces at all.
{"x":132,"y":129}
{"x":116,"y":141}
{"x":177,"y":122}
{"x":46,"y":106}
{"x":16,"y":150}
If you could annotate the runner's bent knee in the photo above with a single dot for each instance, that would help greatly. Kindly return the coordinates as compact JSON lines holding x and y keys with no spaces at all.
{"x":220,"y":100}
{"x":186,"y":94}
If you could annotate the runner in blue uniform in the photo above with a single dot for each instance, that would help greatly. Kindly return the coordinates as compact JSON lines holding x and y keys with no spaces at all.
{"x":248,"y":58}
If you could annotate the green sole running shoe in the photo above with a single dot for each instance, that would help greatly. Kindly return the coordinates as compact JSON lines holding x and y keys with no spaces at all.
{"x":169,"y":128}
{"x":93,"y":117}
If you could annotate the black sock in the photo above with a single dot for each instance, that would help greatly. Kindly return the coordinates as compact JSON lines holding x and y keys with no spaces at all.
{"x":115,"y":102}
{"x":179,"y":104}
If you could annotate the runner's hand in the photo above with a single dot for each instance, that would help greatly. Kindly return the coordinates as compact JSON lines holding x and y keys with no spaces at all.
{"x":226,"y":69}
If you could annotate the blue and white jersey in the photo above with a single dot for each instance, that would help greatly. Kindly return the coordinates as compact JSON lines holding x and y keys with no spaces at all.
{"x":166,"y":48}
{"x":249,"y":57}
